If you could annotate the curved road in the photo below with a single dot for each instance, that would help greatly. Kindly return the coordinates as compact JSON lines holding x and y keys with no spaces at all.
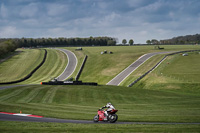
{"x":71,"y":66}
{"x":7,"y":117}
{"x":126,"y":72}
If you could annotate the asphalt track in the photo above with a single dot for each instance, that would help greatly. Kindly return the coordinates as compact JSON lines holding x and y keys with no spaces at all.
{"x":7,"y":117}
{"x":126,"y":72}
{"x":71,"y":66}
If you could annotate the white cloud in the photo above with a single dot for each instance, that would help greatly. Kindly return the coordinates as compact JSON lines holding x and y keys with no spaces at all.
{"x":3,"y":11}
{"x":139,"y":20}
{"x":30,"y":10}
{"x":56,"y":9}
{"x":8,"y":32}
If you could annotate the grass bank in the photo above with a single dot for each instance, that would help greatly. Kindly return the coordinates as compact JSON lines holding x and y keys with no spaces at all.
{"x":91,"y":128}
{"x":54,"y":65}
{"x":23,"y":63}
{"x":175,"y":69}
{"x":20,"y":65}
{"x":102,"y":68}
{"x":82,"y":102}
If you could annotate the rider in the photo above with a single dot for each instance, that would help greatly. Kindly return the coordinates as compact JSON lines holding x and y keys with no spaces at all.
{"x":109,"y":106}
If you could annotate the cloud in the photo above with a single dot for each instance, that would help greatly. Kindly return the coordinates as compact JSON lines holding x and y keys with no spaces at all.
{"x":54,"y":9}
{"x":3,"y":11}
{"x":30,"y":10}
{"x":8,"y":32}
{"x":125,"y":19}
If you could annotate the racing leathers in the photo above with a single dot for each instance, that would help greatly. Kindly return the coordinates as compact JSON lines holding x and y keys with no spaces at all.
{"x":109,"y":106}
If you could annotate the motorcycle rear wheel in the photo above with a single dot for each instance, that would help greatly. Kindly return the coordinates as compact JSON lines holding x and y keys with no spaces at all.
{"x":113,"y":118}
{"x":96,"y":118}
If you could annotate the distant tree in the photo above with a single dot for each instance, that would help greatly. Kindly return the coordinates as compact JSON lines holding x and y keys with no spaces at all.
{"x":131,"y":42}
{"x":154,"y":41}
{"x":124,"y":41}
{"x":148,"y":42}
{"x":111,"y":42}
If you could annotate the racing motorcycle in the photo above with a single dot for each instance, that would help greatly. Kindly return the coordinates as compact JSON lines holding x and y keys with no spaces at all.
{"x":101,"y":116}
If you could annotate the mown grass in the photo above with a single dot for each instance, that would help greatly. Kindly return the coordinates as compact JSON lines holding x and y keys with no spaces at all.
{"x":20,"y":65}
{"x":183,"y":68}
{"x":82,"y":102}
{"x":102,"y":68}
{"x":156,"y":98}
{"x":176,"y":69}
{"x":91,"y":128}
{"x":54,"y":65}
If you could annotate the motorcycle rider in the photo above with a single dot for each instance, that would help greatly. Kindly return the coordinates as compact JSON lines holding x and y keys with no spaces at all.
{"x":109,"y":106}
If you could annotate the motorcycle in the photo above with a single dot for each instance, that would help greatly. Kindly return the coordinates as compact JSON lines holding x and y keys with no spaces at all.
{"x":101,"y":116}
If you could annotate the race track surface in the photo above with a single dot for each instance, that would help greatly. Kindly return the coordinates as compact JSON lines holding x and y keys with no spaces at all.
{"x":71,"y":66}
{"x":126,"y":72}
{"x":7,"y":117}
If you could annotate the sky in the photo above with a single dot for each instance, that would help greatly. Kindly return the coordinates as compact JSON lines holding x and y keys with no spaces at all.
{"x":139,"y":20}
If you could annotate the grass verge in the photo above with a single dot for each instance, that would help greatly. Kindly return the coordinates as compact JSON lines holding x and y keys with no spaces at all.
{"x":91,"y":128}
{"x":82,"y":102}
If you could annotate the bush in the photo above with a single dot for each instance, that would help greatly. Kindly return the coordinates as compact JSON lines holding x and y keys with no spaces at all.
{"x":7,"y":46}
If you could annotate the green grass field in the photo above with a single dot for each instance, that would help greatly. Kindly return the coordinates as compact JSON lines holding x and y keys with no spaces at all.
{"x":171,"y":93}
{"x":54,"y":65}
{"x":91,"y":128}
{"x":82,"y":102}
{"x":102,"y":68}
{"x":22,"y":64}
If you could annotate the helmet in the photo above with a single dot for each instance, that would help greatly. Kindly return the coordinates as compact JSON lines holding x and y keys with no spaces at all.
{"x":109,"y":104}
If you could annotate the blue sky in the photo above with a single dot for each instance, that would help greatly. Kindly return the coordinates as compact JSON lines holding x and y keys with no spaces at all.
{"x":139,"y":20}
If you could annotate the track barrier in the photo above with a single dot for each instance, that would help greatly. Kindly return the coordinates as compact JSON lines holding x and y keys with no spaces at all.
{"x":138,"y":79}
{"x":81,"y":69}
{"x":31,"y":73}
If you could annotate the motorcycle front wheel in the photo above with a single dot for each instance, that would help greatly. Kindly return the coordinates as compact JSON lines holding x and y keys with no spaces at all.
{"x":96,"y":118}
{"x":113,"y":118}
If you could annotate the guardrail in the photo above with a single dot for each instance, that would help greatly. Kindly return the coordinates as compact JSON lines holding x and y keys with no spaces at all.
{"x":31,"y":73}
{"x":138,"y":79}
{"x":81,"y":69}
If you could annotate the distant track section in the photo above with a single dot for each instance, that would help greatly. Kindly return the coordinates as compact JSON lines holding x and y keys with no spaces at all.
{"x":126,"y":72}
{"x":31,"y":73}
{"x":71,"y":66}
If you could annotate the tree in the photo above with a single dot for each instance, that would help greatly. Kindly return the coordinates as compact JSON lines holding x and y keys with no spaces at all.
{"x":131,"y":42}
{"x":124,"y":41}
{"x":148,"y":42}
{"x":111,"y":42}
{"x":154,"y":41}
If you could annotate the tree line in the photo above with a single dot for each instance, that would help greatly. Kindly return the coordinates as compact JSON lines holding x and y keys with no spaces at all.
{"x":91,"y":41}
{"x":188,"y":39}
{"x":11,"y":44}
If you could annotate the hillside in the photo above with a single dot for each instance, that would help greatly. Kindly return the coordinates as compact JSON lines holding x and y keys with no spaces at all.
{"x":169,"y":94}
{"x":188,"y":39}
{"x":102,"y":68}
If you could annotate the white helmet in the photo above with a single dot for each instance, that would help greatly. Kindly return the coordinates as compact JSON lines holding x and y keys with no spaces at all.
{"x":109,"y":104}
